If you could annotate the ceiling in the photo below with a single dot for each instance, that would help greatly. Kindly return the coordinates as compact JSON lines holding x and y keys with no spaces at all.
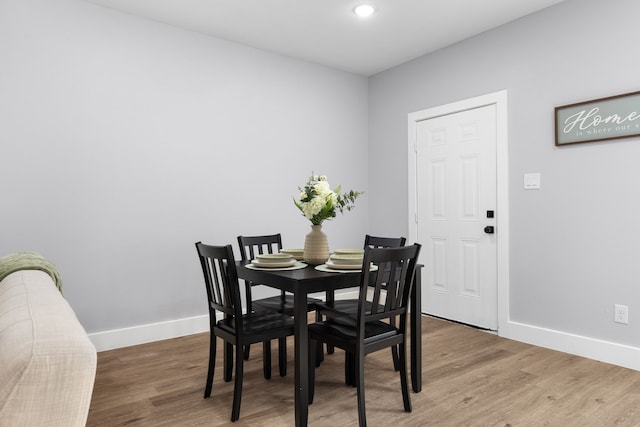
{"x":328,"y":33}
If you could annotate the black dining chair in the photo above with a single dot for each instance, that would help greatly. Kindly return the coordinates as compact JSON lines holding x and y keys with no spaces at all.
{"x":380,"y":321}
{"x":235,"y":328}
{"x":250,"y":247}
{"x":350,"y":306}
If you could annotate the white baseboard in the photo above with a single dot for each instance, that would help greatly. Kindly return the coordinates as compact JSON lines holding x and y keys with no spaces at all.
{"x":592,"y":348}
{"x":604,"y":351}
{"x":125,"y":337}
{"x":135,"y":335}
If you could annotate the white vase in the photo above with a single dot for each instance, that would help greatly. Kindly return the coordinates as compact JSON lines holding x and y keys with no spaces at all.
{"x":316,"y":246}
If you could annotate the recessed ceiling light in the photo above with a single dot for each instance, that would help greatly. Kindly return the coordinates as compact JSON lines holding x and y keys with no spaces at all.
{"x":364,"y":10}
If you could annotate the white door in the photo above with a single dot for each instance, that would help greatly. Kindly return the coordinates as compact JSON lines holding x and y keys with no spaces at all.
{"x":456,"y":215}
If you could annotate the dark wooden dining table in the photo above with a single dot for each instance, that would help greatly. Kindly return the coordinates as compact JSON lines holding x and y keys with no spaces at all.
{"x":301,"y":283}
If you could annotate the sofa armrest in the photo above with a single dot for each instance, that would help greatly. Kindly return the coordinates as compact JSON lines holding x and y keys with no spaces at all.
{"x":47,"y":362}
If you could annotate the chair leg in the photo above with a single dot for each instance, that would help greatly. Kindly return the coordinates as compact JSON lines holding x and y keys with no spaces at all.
{"x":247,"y":351}
{"x":349,"y":369}
{"x":282,"y":356}
{"x":266,"y":359}
{"x":394,"y":356}
{"x":320,"y":349}
{"x":319,"y":354}
{"x":228,"y":361}
{"x":359,"y":371}
{"x":394,"y":350}
{"x":402,"y":362}
{"x":212,"y":366}
{"x":237,"y":387}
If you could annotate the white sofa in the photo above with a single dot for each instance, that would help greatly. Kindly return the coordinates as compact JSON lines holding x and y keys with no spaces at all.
{"x":47,"y":362}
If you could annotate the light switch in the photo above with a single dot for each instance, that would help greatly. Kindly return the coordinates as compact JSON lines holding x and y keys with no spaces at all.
{"x":531,"y":181}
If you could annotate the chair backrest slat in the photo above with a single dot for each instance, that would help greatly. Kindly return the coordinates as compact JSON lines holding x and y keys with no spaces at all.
{"x":221,"y":281}
{"x":250,"y":246}
{"x":391,"y":283}
{"x":383,"y":242}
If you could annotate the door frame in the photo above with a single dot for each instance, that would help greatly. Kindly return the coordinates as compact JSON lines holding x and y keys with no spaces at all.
{"x":500,"y":99}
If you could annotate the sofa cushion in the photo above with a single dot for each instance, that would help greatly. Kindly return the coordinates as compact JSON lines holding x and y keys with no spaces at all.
{"x":47,"y":362}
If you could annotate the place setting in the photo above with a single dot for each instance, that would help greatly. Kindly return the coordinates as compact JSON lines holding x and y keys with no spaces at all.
{"x":297,"y":253}
{"x":345,"y":261}
{"x":277,"y":261}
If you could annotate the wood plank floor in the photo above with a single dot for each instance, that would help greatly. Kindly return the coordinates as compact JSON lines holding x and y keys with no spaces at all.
{"x":471,"y":378}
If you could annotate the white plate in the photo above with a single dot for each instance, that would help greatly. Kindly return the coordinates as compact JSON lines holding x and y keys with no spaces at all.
{"x":349,"y":251}
{"x":274,"y":257}
{"x":323,"y":267}
{"x":346,"y":259}
{"x":296,"y":253}
{"x":273,"y":264}
{"x":298,"y":265}
{"x":337,"y":266}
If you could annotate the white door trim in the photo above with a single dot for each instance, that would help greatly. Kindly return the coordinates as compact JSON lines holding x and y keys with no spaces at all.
{"x":500,"y":99}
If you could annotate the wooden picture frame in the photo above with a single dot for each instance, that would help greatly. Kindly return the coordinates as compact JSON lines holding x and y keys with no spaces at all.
{"x":601,"y":119}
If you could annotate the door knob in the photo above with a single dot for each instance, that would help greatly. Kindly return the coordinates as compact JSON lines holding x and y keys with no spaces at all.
{"x":489,"y":229}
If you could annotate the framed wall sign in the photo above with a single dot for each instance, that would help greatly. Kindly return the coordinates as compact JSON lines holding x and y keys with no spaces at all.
{"x":598,"y":120}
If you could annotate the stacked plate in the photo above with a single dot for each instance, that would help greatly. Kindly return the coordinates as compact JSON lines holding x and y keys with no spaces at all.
{"x":350,"y":252}
{"x":346,"y":259}
{"x":296,"y":253}
{"x":278,"y":260}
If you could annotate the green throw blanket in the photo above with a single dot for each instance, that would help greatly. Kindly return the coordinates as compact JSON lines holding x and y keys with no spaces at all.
{"x":29,"y":261}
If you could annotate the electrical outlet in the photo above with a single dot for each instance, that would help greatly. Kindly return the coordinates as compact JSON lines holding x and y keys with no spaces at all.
{"x":621,"y":314}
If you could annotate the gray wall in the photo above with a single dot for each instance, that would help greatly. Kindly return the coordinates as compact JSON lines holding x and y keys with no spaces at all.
{"x":125,"y":141}
{"x":573,"y":249}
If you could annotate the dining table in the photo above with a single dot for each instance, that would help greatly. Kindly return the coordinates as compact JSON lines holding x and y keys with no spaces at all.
{"x":307,"y":279}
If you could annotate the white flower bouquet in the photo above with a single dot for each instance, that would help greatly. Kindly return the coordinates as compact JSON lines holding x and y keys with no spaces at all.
{"x":318,"y":202}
